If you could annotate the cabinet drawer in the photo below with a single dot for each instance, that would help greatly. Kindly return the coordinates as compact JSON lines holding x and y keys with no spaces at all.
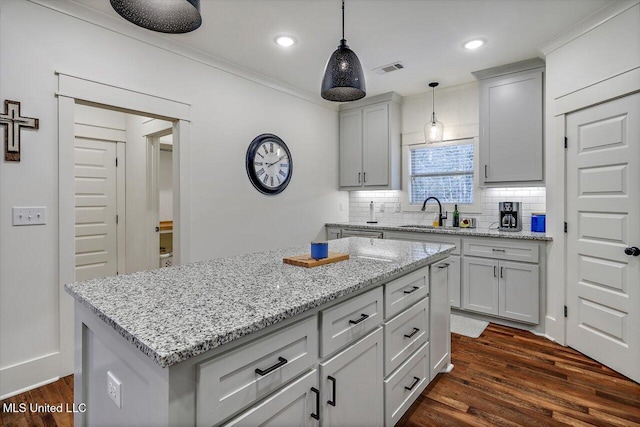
{"x":501,"y":249}
{"x":230,"y":382}
{"x":291,"y":406}
{"x":405,"y":291}
{"x":404,"y":387}
{"x":350,"y":320}
{"x":404,"y":334}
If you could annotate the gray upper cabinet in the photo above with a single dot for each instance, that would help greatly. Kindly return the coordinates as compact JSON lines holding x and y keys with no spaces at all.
{"x":370,"y":144}
{"x":511,"y":99}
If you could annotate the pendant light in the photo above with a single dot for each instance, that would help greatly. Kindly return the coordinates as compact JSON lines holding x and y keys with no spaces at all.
{"x":343,"y":76}
{"x":433,"y":130}
{"x":164,"y":16}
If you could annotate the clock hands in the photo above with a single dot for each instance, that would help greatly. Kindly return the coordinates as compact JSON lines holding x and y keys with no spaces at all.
{"x":271,"y":164}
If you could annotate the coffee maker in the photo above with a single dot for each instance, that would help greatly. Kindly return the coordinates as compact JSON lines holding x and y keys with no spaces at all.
{"x":510,"y":216}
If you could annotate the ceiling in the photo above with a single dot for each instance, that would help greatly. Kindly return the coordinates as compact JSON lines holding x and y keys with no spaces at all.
{"x":425,"y":35}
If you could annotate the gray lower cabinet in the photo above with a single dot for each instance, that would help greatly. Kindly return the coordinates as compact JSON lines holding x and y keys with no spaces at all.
{"x":501,"y":288}
{"x":297,"y":404}
{"x":440,"y":312}
{"x":350,"y":384}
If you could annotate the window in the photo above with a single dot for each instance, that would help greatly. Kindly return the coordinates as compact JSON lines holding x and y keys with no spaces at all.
{"x":445,"y":171}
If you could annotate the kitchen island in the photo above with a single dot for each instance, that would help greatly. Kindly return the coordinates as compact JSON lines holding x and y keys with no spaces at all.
{"x":242,"y":340}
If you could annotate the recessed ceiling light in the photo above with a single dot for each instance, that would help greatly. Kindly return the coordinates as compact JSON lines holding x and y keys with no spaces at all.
{"x":473,"y":44}
{"x":285,"y":41}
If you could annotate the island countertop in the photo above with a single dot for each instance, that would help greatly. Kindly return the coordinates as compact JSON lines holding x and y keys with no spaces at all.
{"x":173,"y":314}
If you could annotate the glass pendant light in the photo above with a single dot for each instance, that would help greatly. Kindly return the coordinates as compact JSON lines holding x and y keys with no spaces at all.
{"x":434,"y":130}
{"x":343,"y":76}
{"x":164,"y":16}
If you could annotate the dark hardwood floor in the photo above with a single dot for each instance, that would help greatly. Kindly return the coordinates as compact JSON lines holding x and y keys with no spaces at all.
{"x":507,"y":377}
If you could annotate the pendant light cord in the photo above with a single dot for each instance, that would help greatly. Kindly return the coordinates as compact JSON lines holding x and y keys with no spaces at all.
{"x":342,"y":19}
{"x":433,"y":106}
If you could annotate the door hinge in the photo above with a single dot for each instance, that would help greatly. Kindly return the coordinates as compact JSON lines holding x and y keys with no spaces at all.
{"x":565,"y":142}
{"x":116,"y":162}
{"x":565,"y":311}
{"x":116,"y":219}
{"x":565,"y":226}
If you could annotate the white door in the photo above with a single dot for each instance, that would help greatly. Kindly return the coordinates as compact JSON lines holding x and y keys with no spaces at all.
{"x":375,"y":151}
{"x":95,"y":208}
{"x":603,"y":214}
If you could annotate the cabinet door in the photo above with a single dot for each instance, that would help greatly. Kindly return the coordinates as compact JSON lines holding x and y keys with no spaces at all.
{"x":454,"y":281}
{"x":511,"y":128}
{"x":519,"y":291}
{"x":296,"y":405}
{"x":480,"y":285}
{"x":375,"y":137}
{"x":351,"y":384}
{"x":440,"y":318}
{"x":351,"y":148}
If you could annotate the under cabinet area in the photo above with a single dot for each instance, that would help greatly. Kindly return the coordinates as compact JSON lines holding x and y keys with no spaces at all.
{"x":511,"y":99}
{"x":370,"y":143}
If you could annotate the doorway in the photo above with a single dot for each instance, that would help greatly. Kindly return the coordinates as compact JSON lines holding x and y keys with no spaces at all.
{"x":603,"y":213}
{"x":73,"y":91}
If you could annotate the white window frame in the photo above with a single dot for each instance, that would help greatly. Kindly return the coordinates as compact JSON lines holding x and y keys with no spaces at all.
{"x":475,"y":208}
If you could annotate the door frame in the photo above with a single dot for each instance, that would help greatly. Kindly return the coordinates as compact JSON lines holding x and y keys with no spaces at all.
{"x":70,"y":90}
{"x":604,"y":91}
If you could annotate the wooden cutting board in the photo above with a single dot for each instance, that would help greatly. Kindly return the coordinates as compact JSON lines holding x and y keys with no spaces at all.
{"x":308,"y":262}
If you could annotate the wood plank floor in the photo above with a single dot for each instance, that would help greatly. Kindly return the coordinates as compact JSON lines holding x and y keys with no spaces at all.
{"x":507,"y":377}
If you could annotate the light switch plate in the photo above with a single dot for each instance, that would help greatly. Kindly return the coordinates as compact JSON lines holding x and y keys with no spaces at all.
{"x":34,"y":215}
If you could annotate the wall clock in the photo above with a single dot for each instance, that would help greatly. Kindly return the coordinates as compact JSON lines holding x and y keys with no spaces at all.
{"x":269,"y":164}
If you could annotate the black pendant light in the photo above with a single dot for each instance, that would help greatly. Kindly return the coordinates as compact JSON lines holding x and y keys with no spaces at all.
{"x":343,"y":77}
{"x":164,"y":16}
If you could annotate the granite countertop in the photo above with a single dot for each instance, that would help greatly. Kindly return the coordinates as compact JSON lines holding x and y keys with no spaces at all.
{"x":475,"y":232}
{"x":172,"y":314}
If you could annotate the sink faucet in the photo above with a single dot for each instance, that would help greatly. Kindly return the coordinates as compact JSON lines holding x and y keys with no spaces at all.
{"x":440,"y":216}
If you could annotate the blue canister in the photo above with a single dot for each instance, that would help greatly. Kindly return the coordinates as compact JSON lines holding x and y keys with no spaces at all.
{"x":319,"y":250}
{"x":538,"y":222}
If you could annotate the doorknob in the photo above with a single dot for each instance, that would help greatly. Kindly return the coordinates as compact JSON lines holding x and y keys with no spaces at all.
{"x":633,"y":250}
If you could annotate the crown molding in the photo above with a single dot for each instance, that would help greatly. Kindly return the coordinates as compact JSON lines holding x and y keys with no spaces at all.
{"x":598,"y":18}
{"x":163,"y":42}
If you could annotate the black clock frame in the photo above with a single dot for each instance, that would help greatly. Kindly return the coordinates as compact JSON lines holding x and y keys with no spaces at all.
{"x":251,"y":154}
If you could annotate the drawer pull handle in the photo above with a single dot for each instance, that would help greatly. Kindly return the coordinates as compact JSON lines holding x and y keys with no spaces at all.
{"x":364,"y":317}
{"x":443,"y":265}
{"x":333,"y":380}
{"x":415,"y":331}
{"x":416,"y":380}
{"x":498,"y":250}
{"x":281,"y":362}
{"x":316,"y":415}
{"x":415,"y":288}
{"x":501,"y":275}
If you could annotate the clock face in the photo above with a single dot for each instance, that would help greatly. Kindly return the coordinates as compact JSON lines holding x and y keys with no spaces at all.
{"x":269,"y":164}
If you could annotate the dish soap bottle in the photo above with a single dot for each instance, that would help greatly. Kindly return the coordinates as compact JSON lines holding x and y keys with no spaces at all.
{"x":436,"y":220}
{"x":456,"y":217}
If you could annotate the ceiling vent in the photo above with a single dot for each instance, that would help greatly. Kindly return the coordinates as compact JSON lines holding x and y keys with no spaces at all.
{"x":389,"y":68}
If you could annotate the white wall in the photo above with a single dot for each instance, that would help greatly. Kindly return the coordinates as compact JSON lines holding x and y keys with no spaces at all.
{"x":227,"y":215}
{"x":457,"y":107}
{"x":601,"y":48}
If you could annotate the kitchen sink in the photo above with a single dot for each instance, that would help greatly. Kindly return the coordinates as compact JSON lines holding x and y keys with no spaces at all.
{"x":428,"y":227}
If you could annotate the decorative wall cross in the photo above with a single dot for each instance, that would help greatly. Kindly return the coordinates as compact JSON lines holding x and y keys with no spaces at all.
{"x":13,"y":123}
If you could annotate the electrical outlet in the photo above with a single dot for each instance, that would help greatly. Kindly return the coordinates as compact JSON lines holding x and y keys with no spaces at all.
{"x":341,"y":207}
{"x":35,"y":215}
{"x":382,"y":207}
{"x":398,"y":207}
{"x":114,"y":389}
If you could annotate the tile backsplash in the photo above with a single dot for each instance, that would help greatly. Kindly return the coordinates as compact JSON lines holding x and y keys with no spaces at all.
{"x":533,"y":199}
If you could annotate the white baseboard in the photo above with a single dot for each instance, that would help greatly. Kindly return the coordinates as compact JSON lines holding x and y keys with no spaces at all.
{"x":28,"y":375}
